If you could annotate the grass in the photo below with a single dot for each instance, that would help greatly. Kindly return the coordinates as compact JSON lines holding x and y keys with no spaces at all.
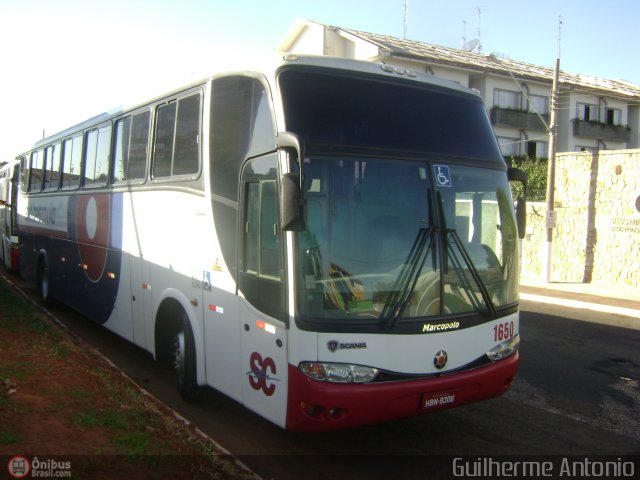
{"x":111,"y":419}
{"x":45,"y":374}
{"x":133,"y":443}
{"x":20,"y":316}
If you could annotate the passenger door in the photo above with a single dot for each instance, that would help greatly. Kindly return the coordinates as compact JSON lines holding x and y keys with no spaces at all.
{"x":262,"y":311}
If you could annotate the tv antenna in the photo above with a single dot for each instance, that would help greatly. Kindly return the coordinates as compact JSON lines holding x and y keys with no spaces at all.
{"x":473,"y":44}
{"x":405,"y":4}
{"x":559,"y":32}
{"x":479,"y":21}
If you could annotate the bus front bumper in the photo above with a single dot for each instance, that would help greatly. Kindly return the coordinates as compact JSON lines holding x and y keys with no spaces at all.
{"x":317,"y":406}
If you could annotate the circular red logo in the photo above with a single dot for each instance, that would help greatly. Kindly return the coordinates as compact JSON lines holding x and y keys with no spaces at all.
{"x":19,"y":467}
{"x":440,"y":359}
{"x":93,"y":216}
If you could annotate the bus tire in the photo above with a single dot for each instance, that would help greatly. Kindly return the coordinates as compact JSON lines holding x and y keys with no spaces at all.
{"x":185,"y":362}
{"x":44,"y":281}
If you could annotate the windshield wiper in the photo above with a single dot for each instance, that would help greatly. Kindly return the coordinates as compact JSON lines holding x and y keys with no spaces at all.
{"x":491,"y":308}
{"x":486,"y":296}
{"x":408,"y":278}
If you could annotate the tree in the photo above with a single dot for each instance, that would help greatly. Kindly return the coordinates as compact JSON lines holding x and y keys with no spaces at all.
{"x":536,"y":169}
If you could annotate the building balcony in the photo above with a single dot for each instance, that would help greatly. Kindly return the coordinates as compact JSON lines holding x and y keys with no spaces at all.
{"x":601,"y":131}
{"x":501,"y":117}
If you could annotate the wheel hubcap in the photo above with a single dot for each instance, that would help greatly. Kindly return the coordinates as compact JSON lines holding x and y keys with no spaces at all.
{"x":179,"y":355}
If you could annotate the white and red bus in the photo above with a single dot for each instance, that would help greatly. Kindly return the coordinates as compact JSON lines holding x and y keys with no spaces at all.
{"x":331,"y":243}
{"x":9,"y":185}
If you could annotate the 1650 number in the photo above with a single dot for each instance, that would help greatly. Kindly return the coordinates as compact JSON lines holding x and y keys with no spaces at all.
{"x":503,"y":331}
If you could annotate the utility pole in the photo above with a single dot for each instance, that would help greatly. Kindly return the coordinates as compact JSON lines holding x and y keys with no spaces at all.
{"x":551,"y":166}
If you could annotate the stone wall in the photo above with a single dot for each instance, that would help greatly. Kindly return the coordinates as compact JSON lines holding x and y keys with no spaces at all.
{"x":597,"y":238}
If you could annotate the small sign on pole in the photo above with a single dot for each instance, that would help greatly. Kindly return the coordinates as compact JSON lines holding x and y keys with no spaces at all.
{"x":552,"y":219}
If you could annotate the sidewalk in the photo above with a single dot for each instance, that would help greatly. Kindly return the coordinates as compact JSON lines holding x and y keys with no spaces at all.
{"x":620,"y":301}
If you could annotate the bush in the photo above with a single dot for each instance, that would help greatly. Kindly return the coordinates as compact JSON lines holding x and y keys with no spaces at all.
{"x":536,"y":169}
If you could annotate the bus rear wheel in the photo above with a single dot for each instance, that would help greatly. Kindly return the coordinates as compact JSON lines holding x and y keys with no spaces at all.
{"x":185,"y":361}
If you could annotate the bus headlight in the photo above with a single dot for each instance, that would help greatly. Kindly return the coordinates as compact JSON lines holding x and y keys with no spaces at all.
{"x":505,"y":349}
{"x":338,"y":372}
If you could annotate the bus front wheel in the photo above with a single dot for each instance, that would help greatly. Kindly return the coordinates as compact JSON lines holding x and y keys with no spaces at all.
{"x":185,"y":361}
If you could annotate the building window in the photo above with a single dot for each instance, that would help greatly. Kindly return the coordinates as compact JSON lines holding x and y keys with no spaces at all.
{"x":539,"y":104}
{"x":537,"y":149}
{"x":588,"y":112}
{"x":507,"y":99}
{"x":614,"y":116}
{"x":510,"y":147}
{"x":582,"y":148}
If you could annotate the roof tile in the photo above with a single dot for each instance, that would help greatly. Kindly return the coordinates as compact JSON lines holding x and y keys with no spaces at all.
{"x":491,"y":63}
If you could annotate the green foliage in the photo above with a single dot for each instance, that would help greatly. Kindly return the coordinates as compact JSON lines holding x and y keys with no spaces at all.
{"x":8,"y":438}
{"x":536,"y":169}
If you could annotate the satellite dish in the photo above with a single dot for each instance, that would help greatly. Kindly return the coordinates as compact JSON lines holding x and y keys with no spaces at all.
{"x":471,"y":45}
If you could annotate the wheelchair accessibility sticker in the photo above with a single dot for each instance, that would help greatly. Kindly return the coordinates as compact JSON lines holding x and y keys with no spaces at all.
{"x":441,"y":174}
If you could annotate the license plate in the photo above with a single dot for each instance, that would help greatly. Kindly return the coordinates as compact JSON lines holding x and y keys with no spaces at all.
{"x":438,"y":400}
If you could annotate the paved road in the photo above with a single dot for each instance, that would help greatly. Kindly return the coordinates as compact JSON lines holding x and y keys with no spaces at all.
{"x":577,"y":393}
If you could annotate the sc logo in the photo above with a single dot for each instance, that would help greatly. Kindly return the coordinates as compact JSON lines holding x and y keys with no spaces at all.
{"x":260,"y":374}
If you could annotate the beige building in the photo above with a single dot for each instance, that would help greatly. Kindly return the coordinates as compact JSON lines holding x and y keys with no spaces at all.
{"x":594,"y":113}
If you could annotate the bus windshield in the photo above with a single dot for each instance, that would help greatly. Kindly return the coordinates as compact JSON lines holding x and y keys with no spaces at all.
{"x":409,"y":213}
{"x":390,"y":240}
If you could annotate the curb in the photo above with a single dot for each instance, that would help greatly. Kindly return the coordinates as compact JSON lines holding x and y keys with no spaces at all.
{"x":598,"y":307}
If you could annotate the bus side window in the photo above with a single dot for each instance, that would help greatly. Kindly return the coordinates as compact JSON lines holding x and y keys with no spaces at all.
{"x":260,"y":276}
{"x":35,"y":179}
{"x":130,"y":148}
{"x":177,"y":140}
{"x":137,"y":166}
{"x":186,"y":158}
{"x":96,"y":167}
{"x":163,"y":146}
{"x":241,"y":127}
{"x":52,"y":167}
{"x":262,"y":243}
{"x":71,"y":158}
{"x":46,"y":174}
{"x":121,"y":149}
{"x":25,"y":169}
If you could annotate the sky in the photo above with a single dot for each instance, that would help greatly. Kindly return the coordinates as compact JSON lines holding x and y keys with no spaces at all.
{"x":63,"y":61}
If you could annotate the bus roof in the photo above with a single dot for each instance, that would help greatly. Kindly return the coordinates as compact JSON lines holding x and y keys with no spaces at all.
{"x":267,"y":65}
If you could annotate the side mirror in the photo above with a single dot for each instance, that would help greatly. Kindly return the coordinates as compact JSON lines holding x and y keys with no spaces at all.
{"x":292,"y":201}
{"x":517,"y":175}
{"x":291,"y":210}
